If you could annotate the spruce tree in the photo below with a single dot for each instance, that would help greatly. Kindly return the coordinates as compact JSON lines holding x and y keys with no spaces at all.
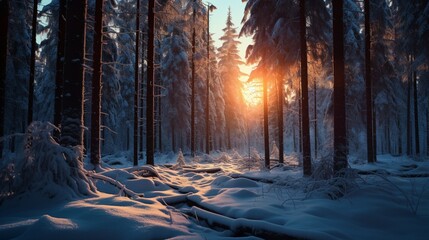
{"x":230,"y":73}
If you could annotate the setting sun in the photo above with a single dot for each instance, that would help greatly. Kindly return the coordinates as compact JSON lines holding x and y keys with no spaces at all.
{"x":252,"y":93}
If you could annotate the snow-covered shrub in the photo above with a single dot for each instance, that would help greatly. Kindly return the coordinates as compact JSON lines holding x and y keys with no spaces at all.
{"x":49,"y":168}
{"x":180,"y":161}
{"x":325,"y":182}
{"x":274,"y":151}
{"x":224,"y":157}
{"x":235,"y":155}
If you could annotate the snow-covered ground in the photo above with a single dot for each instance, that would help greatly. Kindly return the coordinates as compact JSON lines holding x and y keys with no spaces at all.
{"x":224,"y":196}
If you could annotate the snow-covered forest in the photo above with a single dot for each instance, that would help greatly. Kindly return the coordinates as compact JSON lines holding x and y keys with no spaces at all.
{"x":128,"y":119}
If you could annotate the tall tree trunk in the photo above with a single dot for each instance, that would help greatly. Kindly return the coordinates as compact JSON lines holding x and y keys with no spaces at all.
{"x":368,"y":85}
{"x":97,"y":84}
{"x":427,"y":130}
{"x":340,"y":139}
{"x":32,"y":63}
{"x":150,"y":84}
{"x":193,"y":85}
{"x":306,"y":148}
{"x":409,"y":150}
{"x":73,"y":97}
{"x":389,"y":143}
{"x":266,"y":133}
{"x":143,"y":47}
{"x":316,"y":135}
{"x":173,"y":138}
{"x":4,"y":26}
{"x":374,"y":136}
{"x":398,"y":124}
{"x":208,"y":84}
{"x":136,"y":88}
{"x":59,"y":76}
{"x":416,"y":115}
{"x":299,"y":120}
{"x":280,"y":117}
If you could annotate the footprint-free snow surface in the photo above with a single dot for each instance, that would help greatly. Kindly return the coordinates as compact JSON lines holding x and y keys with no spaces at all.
{"x":226,"y":196}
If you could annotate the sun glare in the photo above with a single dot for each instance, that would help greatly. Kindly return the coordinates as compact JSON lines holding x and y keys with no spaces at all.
{"x":252,"y":93}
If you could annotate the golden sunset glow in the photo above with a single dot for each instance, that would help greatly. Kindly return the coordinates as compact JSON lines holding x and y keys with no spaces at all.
{"x":252,"y":93}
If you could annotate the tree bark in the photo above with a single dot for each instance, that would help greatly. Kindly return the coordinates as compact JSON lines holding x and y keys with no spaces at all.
{"x":280,"y":117}
{"x":193,"y":85}
{"x":368,"y":85}
{"x":73,"y":98}
{"x":416,"y":115}
{"x":136,"y":88}
{"x":59,"y":77}
{"x":340,"y":140}
{"x":306,"y":148}
{"x":97,"y":84}
{"x":143,"y":47}
{"x":427,"y":129}
{"x":4,"y":26}
{"x":32,"y":63}
{"x":208,"y":84}
{"x":150,"y":82}
{"x":266,"y":133}
{"x":316,"y":135}
{"x":409,"y":150}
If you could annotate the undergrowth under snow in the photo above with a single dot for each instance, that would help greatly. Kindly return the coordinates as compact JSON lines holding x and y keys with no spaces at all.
{"x":221,"y":195}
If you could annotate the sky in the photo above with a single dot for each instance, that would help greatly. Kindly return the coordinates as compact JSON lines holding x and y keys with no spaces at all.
{"x":218,"y":22}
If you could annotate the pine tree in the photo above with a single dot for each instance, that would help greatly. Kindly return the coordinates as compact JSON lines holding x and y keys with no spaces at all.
{"x":72,"y":119}
{"x":229,"y":70}
{"x":175,"y":73}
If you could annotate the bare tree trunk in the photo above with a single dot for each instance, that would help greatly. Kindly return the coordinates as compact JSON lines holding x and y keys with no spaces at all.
{"x":73,"y":98}
{"x":306,"y":148}
{"x":59,"y":78}
{"x":427,"y":129}
{"x":150,"y":83}
{"x":398,"y":125}
{"x":143,"y":47}
{"x":368,"y":86}
{"x":208,"y":84}
{"x":97,"y":84}
{"x":389,"y":143}
{"x":340,"y":139}
{"x":136,"y":88}
{"x":266,"y":133}
{"x":416,"y":115}
{"x":32,"y":63}
{"x":173,"y":138}
{"x":4,"y":26}
{"x":316,"y":135}
{"x":193,"y":85}
{"x":299,"y":120}
{"x":280,"y":117}
{"x":374,"y":126}
{"x":409,"y":150}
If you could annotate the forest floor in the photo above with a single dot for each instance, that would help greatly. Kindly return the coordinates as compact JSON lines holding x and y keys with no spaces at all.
{"x":225,"y":196}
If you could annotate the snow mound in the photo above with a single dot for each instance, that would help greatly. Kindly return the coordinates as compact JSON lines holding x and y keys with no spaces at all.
{"x":228,"y":182}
